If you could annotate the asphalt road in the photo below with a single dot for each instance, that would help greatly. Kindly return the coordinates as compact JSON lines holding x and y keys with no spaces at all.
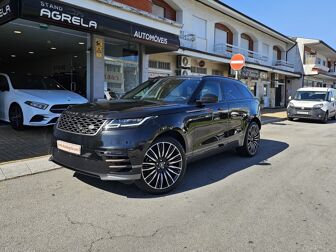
{"x":282,"y":200}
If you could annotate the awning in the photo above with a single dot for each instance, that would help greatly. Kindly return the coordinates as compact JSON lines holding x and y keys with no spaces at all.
{"x":73,"y":17}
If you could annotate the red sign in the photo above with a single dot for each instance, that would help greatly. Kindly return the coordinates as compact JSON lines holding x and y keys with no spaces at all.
{"x":237,"y":62}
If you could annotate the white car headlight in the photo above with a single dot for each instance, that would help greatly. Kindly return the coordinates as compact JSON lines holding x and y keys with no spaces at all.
{"x":38,"y":105}
{"x":291,"y":105}
{"x":124,"y":123}
{"x":318,"y":106}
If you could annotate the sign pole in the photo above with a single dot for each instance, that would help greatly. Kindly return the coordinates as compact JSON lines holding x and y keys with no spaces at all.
{"x":236,"y":75}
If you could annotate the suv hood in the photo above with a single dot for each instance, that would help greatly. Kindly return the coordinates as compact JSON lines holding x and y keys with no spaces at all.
{"x":128,"y":108}
{"x":306,"y":104}
{"x":54,"y":96}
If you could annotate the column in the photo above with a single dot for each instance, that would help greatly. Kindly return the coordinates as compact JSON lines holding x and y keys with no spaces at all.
{"x":97,"y":68}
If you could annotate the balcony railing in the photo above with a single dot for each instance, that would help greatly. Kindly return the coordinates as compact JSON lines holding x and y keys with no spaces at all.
{"x":313,"y":60}
{"x":283,"y":64}
{"x":228,"y":50}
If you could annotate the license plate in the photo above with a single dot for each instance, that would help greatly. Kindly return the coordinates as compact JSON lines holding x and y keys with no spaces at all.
{"x":302,"y":113}
{"x":69,"y":147}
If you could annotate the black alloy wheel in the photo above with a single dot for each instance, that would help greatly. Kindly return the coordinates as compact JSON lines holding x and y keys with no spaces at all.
{"x":252,"y":141}
{"x":16,"y":117}
{"x":163,"y":167}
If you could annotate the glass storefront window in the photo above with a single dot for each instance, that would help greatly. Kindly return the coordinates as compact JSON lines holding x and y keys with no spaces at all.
{"x":121,"y":66}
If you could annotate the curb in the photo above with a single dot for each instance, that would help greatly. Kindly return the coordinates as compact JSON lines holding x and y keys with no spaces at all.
{"x":16,"y":169}
{"x":264,"y":122}
{"x":26,"y":167}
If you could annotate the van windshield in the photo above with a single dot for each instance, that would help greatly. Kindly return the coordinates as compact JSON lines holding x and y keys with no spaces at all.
{"x":311,"y":95}
{"x":34,"y":82}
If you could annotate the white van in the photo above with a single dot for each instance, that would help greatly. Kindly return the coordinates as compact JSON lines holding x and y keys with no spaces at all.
{"x":313,"y":103}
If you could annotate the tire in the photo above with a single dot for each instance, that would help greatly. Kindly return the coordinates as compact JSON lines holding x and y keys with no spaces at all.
{"x":251,"y":141}
{"x":326,"y":118}
{"x":16,"y":117}
{"x":290,"y":118}
{"x":163,"y":167}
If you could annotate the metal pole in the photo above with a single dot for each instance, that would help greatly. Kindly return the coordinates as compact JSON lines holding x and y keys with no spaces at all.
{"x":236,"y":75}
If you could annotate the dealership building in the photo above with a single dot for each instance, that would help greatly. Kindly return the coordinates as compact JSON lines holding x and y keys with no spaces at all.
{"x":88,"y":46}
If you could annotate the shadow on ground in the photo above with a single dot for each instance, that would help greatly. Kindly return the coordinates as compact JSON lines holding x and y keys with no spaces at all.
{"x":28,"y":143}
{"x":201,"y":173}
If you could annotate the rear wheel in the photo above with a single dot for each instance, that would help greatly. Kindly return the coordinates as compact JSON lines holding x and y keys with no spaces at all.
{"x":16,"y":117}
{"x":163,"y":167}
{"x":252,"y":141}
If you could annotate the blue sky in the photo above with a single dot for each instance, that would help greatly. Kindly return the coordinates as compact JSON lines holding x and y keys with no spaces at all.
{"x":307,"y":18}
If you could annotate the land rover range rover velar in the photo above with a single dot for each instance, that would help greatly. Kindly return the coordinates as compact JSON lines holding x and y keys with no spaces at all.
{"x":150,"y":134}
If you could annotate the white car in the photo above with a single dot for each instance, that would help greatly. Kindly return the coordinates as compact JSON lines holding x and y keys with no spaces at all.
{"x":33,"y":100}
{"x":313,"y":103}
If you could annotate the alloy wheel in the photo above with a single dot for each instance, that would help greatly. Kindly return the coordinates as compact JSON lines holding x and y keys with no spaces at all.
{"x":162,"y":166}
{"x":253,"y":139}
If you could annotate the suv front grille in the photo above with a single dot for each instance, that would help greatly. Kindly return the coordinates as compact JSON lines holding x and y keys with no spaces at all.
{"x":78,"y":124}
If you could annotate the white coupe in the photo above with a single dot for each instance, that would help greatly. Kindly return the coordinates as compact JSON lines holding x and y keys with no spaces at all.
{"x":33,"y":100}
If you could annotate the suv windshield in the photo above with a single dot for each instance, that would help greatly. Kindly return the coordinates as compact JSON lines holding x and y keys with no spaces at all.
{"x":311,"y":95}
{"x":171,"y":90}
{"x":34,"y":82}
{"x":140,"y":90}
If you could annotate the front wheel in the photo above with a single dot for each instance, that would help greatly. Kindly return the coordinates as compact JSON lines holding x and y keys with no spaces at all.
{"x":163,"y":167}
{"x":251,"y":141}
{"x":16,"y":117}
{"x":326,"y":118}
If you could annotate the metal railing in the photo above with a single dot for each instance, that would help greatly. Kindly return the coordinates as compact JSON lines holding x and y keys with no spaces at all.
{"x":283,"y":63}
{"x":251,"y":56}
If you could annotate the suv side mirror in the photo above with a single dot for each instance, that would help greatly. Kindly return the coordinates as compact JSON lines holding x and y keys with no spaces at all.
{"x":290,"y":98}
{"x":208,"y":98}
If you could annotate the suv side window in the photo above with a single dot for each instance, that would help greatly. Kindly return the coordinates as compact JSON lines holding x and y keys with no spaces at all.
{"x":231,"y":91}
{"x":3,"y":84}
{"x":210,"y":87}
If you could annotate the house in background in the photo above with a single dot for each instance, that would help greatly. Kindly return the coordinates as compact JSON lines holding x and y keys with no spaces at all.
{"x":316,"y":61}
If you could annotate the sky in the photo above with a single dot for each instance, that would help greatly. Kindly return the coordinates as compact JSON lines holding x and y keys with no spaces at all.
{"x":305,"y":18}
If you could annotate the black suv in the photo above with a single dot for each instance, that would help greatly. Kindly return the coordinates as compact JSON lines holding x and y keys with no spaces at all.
{"x":152,"y":132}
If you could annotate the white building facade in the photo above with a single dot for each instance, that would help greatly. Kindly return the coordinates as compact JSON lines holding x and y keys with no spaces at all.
{"x":316,"y":61}
{"x":212,"y":32}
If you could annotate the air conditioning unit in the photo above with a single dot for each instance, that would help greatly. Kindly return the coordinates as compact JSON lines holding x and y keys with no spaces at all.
{"x":183,"y":72}
{"x":183,"y":62}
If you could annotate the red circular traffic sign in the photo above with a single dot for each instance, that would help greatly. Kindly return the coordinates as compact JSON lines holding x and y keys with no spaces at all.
{"x":237,"y":62}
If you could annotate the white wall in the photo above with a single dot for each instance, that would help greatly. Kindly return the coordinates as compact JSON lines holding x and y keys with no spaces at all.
{"x":212,"y":16}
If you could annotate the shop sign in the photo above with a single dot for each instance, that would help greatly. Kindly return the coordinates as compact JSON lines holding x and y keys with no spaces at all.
{"x":69,"y":16}
{"x":99,"y":48}
{"x":153,"y":36}
{"x":8,"y":11}
{"x":115,"y":77}
{"x":263,"y":75}
{"x":250,"y":73}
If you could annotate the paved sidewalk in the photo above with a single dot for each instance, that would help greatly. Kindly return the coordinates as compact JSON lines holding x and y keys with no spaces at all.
{"x":28,"y":143}
{"x":273,"y":115}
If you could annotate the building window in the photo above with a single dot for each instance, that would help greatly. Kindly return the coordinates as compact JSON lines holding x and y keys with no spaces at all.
{"x":318,"y":61}
{"x":199,"y":70}
{"x":217,"y":72}
{"x":159,"y":65}
{"x":158,"y":10}
{"x":199,"y":27}
{"x":265,"y":49}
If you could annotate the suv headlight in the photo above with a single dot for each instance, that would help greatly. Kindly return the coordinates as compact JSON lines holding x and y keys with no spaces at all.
{"x":38,"y":105}
{"x":124,"y":123}
{"x":318,"y":106}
